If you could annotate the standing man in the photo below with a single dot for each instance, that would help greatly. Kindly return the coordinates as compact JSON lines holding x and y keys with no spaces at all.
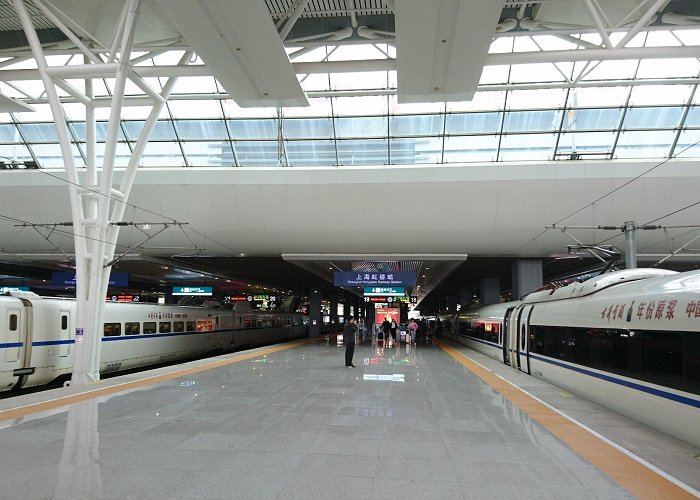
{"x":349,"y":340}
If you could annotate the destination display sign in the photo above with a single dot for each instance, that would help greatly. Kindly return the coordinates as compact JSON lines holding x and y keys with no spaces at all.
{"x":384,"y":290}
{"x":6,"y":289}
{"x":402,"y":278}
{"x":193,"y":290}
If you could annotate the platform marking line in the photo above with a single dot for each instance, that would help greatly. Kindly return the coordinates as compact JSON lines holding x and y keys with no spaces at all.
{"x":638,"y":478}
{"x":51,"y":404}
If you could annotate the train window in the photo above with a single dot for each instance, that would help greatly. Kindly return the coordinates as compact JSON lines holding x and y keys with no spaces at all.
{"x":191,"y":326}
{"x":149,"y":327}
{"x":178,"y":326}
{"x":112,"y":329}
{"x":691,"y":363}
{"x":662,"y":358}
{"x":64,"y":322}
{"x":132,"y":328}
{"x":164,"y":327}
{"x":13,"y":322}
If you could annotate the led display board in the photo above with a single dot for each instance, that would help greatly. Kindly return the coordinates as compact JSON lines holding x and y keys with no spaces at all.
{"x":193,"y":290}
{"x":384,"y":290}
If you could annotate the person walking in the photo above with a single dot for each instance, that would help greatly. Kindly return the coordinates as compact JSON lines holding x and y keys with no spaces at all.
{"x":349,"y":340}
{"x":393,"y":327}
{"x":413,"y":331}
{"x":386,"y":329}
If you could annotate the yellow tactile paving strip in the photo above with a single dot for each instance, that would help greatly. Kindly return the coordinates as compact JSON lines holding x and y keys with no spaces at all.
{"x":639,"y":480}
{"x":103,"y":391}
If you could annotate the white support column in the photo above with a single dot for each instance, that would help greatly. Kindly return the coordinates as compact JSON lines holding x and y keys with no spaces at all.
{"x":95,"y":203}
{"x":659,"y":4}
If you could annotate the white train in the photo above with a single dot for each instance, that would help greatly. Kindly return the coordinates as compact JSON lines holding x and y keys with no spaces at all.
{"x":628,"y":340}
{"x":37,"y":335}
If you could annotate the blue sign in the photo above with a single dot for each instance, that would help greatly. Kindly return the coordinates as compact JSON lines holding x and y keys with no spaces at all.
{"x":60,"y":278}
{"x":5,"y":289}
{"x":384,"y":290}
{"x":193,"y":290}
{"x":402,"y":278}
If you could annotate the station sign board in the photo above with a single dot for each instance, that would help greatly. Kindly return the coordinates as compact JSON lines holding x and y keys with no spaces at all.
{"x":402,"y":278}
{"x":384,"y":290}
{"x":193,"y":290}
{"x":67,"y":279}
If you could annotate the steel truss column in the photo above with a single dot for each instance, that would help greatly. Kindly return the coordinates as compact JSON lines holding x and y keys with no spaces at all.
{"x":95,"y":204}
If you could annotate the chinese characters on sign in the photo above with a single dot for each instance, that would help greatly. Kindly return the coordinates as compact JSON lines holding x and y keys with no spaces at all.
{"x":372,"y":279}
{"x":652,"y":310}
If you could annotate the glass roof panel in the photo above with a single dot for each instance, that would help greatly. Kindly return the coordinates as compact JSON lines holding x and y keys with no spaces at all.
{"x":407,"y":151}
{"x":546,"y":72}
{"x":494,"y":74}
{"x":233,"y":110}
{"x":668,"y":68}
{"x":78,"y":129}
{"x":195,"y":109}
{"x":133,"y":112}
{"x":361,"y":126}
{"x":194,"y":85}
{"x":15,"y":152}
{"x":592,"y":119}
{"x":483,"y":101}
{"x":359,"y":80}
{"x":353,"y":106}
{"x":598,"y":96}
{"x":201,"y":129}
{"x":50,"y":156}
{"x":665,"y":117}
{"x":613,"y":70}
{"x":122,"y":157}
{"x":688,"y":36}
{"x":363,"y":152}
{"x":209,"y":154}
{"x":416,"y":125}
{"x":308,"y":128}
{"x":515,"y":147}
{"x":41,"y":113}
{"x":318,"y":106}
{"x":162,"y":130}
{"x":536,"y":99}
{"x":523,"y":121}
{"x":311,"y":153}
{"x":414,"y":107}
{"x":162,"y":154}
{"x":645,"y":144}
{"x":253,"y":129}
{"x":473,"y":123}
{"x":688,"y":144}
{"x":475,"y":148}
{"x":586,"y":143}
{"x":693,"y":118}
{"x":660,"y":94}
{"x":9,"y":133}
{"x":315,"y":81}
{"x":256,"y":153}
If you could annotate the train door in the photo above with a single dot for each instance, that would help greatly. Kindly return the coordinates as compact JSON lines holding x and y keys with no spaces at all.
{"x":523,"y":346}
{"x":10,"y":333}
{"x":513,"y":337}
{"x":64,"y":333}
{"x":504,"y":339}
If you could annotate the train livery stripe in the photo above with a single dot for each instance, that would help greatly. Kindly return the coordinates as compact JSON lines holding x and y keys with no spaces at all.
{"x":112,"y":389}
{"x":602,"y":376}
{"x":632,"y":385}
{"x":10,"y":345}
{"x":640,"y":480}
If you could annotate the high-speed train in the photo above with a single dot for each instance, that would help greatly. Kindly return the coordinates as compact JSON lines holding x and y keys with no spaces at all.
{"x":37,"y":335}
{"x":627,"y":340}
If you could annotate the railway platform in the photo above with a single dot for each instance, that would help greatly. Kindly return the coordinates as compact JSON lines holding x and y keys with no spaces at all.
{"x":291,"y":422}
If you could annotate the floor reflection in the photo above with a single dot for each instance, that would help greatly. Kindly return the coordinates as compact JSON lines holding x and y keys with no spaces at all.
{"x":79,"y":468}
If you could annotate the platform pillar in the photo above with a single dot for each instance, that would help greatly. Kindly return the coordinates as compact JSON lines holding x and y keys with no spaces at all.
{"x":490,"y":290}
{"x":527,"y":277}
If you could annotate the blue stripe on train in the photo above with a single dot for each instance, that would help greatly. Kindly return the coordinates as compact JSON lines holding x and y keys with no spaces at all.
{"x":608,"y":378}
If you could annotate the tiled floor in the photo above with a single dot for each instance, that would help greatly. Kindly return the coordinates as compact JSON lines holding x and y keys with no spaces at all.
{"x":297,"y":424}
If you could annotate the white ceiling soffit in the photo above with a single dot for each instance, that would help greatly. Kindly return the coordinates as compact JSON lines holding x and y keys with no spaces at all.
{"x":575,"y":12}
{"x":99,"y":17}
{"x":441,"y":47}
{"x":241,"y":47}
{"x":8,"y":105}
